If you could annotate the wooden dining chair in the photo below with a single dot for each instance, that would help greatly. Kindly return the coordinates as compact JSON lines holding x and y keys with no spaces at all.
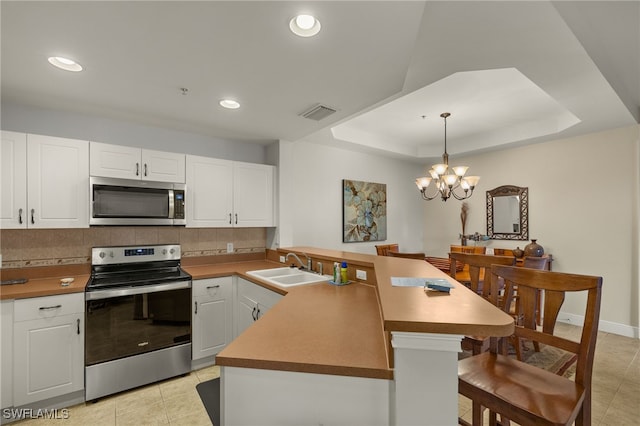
{"x":525,"y":393}
{"x":531,"y":262}
{"x":503,"y":252}
{"x":478,"y":265}
{"x":443,"y":263}
{"x":535,"y":262}
{"x":384,"y":249}
{"x":414,"y":255}
{"x":468,"y":249}
{"x":480,"y":282}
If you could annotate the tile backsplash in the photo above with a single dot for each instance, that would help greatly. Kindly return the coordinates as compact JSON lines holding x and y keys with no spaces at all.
{"x":49,"y":247}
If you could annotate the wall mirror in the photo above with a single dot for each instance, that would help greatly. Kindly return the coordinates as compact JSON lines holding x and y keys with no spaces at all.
{"x":508,"y":213}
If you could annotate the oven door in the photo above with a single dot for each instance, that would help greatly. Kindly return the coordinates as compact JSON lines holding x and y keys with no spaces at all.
{"x":125,"y":322}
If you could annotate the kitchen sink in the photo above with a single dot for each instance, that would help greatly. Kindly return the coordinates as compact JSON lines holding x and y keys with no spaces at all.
{"x":288,"y":277}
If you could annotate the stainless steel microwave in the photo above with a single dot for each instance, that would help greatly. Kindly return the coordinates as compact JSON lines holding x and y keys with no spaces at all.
{"x":136,"y":202}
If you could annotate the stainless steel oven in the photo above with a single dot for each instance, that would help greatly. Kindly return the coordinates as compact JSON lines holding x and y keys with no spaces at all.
{"x":138,"y":318}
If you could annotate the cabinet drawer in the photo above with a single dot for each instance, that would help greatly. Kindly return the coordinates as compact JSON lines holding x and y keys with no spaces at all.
{"x":214,"y":288}
{"x":48,"y":306}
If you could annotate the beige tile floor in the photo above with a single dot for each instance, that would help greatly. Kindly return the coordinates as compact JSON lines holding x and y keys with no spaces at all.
{"x":616,"y":393}
{"x":170,"y":402}
{"x":616,"y":380}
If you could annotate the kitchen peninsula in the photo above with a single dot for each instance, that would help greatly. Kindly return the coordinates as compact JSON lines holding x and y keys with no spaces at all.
{"x":356,"y":354}
{"x":365,"y":353}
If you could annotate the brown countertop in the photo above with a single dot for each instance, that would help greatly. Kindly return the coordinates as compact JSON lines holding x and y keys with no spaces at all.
{"x":320,"y":328}
{"x":316,"y":328}
{"x":411,"y":309}
{"x":43,"y":287}
{"x":235,"y":268}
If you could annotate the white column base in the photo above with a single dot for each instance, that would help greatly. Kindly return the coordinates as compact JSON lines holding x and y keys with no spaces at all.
{"x":426,"y":378}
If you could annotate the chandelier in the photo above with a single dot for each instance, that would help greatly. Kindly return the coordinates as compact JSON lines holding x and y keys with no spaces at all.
{"x":447,"y":180}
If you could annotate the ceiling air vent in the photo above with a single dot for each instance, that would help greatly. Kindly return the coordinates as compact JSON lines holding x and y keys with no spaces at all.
{"x":318,"y":112}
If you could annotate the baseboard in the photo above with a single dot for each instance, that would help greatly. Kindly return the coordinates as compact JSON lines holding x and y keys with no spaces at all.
{"x":197,"y":364}
{"x":606,"y":326}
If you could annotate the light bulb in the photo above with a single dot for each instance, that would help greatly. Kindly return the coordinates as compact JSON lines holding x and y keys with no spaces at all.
{"x":423,"y":182}
{"x":65,"y":63}
{"x":306,"y":22}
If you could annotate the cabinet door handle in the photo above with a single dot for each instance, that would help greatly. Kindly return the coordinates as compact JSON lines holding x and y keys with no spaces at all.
{"x":33,"y":212}
{"x":229,"y":218}
{"x":236,"y":218}
{"x":258,"y":315}
{"x":145,"y":169}
{"x":196,"y":312}
{"x":46,"y":308}
{"x":213,"y":286}
{"x":137,"y":169}
{"x":20,"y":216}
{"x":78,"y":326}
{"x":253,"y":313}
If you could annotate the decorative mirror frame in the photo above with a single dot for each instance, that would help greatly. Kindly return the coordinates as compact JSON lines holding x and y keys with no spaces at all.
{"x":506,"y":191}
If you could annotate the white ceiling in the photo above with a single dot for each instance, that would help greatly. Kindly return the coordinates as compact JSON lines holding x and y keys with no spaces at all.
{"x":508,"y":72}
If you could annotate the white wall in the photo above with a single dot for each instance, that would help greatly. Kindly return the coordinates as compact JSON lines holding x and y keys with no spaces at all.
{"x":26,"y":119}
{"x":583,"y":209}
{"x":310,"y":204}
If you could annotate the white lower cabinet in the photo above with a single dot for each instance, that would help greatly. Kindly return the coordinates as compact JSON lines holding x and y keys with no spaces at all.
{"x":48,"y":350}
{"x":6,"y":353}
{"x":252,"y":302}
{"x":212,"y":316}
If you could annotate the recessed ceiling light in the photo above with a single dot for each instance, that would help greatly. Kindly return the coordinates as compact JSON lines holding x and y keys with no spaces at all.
{"x":229,"y":104}
{"x":304,"y":25}
{"x":65,"y":63}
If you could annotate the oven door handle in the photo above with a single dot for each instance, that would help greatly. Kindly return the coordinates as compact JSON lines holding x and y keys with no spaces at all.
{"x":129,"y":291}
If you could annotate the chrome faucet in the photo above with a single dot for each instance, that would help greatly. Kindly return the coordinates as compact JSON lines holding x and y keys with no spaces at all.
{"x":309,"y":264}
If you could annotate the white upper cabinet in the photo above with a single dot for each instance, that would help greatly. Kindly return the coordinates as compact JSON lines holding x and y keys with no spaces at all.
{"x":13,"y":205}
{"x":253,"y":194}
{"x":224,"y":193}
{"x":209,"y":192}
{"x":56,"y":172}
{"x":134,"y":163}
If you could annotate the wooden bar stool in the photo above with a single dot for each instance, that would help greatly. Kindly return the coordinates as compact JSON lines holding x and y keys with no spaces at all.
{"x":524,"y":393}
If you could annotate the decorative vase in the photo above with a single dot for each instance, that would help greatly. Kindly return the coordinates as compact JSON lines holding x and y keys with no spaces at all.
{"x":518,"y":252}
{"x":533,"y":249}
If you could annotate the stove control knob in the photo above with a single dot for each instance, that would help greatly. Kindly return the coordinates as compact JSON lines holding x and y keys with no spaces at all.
{"x":102,"y":255}
{"x":110,"y":254}
{"x":172,"y":251}
{"x":164,"y":251}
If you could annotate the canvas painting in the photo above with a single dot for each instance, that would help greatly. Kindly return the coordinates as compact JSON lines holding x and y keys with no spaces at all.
{"x":364,"y":211}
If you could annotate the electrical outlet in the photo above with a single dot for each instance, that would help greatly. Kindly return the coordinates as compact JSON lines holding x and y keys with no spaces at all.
{"x":282,"y":259}
{"x":229,"y":247}
{"x":361,"y":275}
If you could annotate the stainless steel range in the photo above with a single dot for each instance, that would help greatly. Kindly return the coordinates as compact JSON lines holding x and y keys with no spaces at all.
{"x":138,"y":318}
